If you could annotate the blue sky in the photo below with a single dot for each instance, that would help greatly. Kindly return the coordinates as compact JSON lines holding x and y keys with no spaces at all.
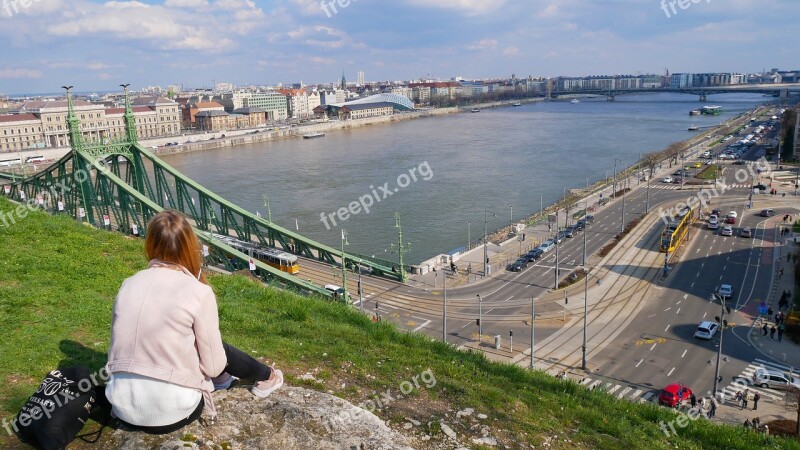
{"x":96,"y":45}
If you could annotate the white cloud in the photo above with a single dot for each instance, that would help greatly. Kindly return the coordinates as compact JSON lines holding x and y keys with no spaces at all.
{"x":468,"y":7}
{"x":19,"y":73}
{"x":511,"y":51}
{"x":483,"y":44}
{"x":185,"y":3}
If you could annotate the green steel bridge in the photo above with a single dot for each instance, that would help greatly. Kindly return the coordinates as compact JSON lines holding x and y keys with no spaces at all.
{"x":120,"y":185}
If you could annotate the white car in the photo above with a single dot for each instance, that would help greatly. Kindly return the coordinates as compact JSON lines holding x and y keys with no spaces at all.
{"x":726,"y":231}
{"x":713,"y":224}
{"x":733,"y":214}
{"x":667,"y":180}
{"x":725,"y":290}
{"x":706,"y":330}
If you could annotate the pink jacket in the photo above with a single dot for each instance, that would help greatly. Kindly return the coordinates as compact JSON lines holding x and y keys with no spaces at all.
{"x":166,"y":326}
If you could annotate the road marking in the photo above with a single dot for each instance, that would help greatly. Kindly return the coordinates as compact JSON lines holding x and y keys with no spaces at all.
{"x":640,"y":361}
{"x":684,"y":353}
{"x":465,"y":325}
{"x":692,"y":284}
{"x":651,"y":315}
{"x":646,"y":397}
{"x":612,"y":390}
{"x":594,"y":384}
{"x":702,"y":265}
{"x":509,"y":298}
{"x":636,"y":394}
{"x":423,"y":325}
{"x":667,"y":309}
{"x":678,"y":311}
{"x":624,"y":392}
{"x":654,"y":346}
{"x":670,"y":372}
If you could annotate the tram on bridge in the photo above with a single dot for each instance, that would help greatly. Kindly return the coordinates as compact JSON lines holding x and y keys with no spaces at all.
{"x":278,"y":259}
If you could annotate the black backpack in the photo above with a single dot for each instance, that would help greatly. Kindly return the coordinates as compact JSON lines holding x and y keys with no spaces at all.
{"x":53,"y":416}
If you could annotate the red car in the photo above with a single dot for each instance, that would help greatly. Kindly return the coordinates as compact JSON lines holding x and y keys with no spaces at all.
{"x":673,"y":394}
{"x":730,"y":219}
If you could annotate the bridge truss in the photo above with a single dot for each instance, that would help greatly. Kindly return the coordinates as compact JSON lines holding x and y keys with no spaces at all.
{"x":119,"y":185}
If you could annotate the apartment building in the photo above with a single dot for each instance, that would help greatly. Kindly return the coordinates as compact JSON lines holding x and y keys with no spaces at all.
{"x":274,"y":105}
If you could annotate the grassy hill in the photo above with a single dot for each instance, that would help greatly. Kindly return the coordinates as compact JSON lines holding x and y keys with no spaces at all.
{"x":58,"y":280}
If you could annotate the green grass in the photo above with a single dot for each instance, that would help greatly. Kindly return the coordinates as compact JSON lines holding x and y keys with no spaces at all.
{"x":708,"y":173}
{"x":58,"y":280}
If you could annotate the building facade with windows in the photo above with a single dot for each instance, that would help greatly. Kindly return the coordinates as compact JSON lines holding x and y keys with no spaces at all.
{"x":274,"y":104}
{"x":43,"y":123}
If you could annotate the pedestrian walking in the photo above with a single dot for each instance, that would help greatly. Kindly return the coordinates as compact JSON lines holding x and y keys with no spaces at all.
{"x":772,"y":333}
{"x":738,"y":397}
{"x":713,"y":410}
{"x":744,"y":399}
{"x":693,"y":400}
{"x":764,"y":329}
{"x":780,"y":274}
{"x":756,"y":398}
{"x":769,"y":313}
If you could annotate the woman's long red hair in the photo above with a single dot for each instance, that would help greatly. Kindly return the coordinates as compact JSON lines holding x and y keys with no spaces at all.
{"x":170,"y":238}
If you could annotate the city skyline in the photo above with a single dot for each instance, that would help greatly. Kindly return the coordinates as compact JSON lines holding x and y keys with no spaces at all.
{"x":96,"y":45}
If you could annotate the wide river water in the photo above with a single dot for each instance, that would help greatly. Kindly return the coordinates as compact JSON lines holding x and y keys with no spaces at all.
{"x":463,"y":164}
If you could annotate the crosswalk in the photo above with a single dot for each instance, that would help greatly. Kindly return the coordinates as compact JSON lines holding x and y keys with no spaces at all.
{"x":747,"y":374}
{"x":675,"y":187}
{"x":635,"y":394}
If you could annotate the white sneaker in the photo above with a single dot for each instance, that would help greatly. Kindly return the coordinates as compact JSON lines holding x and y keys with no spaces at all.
{"x":263,"y":388}
{"x":224,"y":381}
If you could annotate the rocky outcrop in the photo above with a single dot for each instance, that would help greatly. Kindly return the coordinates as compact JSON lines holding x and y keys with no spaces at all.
{"x":291,"y":418}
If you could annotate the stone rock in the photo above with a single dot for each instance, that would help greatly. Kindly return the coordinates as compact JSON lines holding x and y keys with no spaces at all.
{"x":448,"y":431}
{"x":482,"y":416}
{"x":291,"y":417}
{"x":415,"y":422}
{"x":490,"y":441}
{"x":466,"y":412}
{"x":407,"y":426}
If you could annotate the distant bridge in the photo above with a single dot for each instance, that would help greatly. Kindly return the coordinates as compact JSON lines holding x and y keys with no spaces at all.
{"x":780,"y":90}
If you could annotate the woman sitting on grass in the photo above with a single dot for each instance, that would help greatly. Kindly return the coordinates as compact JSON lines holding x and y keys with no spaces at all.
{"x":167,"y":354}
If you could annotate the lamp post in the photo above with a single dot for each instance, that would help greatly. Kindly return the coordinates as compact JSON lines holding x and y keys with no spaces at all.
{"x":614,"y":189}
{"x":480,"y":317}
{"x":555,"y":283}
{"x":585,"y":293}
{"x":647,"y":198}
{"x":469,"y":237}
{"x":541,"y":204}
{"x":444,"y":312}
{"x":266,"y":204}
{"x":344,"y":265}
{"x":360,"y":290}
{"x":722,"y":323}
{"x":485,"y":249}
{"x":511,"y":217}
{"x":533,"y":321}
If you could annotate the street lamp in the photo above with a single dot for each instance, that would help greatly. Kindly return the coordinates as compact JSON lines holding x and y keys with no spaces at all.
{"x":444,"y":312}
{"x":344,"y":265}
{"x":585,"y":291}
{"x":722,"y":324}
{"x":485,"y":249}
{"x":480,"y":316}
{"x":269,"y":211}
{"x":555,"y":283}
{"x":511,"y":217}
{"x":469,"y":237}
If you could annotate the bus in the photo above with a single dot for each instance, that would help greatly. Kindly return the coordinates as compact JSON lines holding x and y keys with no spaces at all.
{"x":34,"y":159}
{"x":10,"y":162}
{"x":677,"y":228}
{"x":283,"y":261}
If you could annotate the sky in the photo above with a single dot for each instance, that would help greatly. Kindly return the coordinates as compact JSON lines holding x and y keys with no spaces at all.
{"x":97,"y":45}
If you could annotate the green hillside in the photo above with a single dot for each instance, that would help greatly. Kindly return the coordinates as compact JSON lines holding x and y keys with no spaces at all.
{"x":58,"y":280}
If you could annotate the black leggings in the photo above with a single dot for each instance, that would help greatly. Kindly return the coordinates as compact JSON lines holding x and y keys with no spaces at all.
{"x":240,"y":365}
{"x":243,"y":366}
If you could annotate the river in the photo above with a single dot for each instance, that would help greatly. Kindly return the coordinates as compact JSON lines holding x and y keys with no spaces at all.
{"x":445,"y":171}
